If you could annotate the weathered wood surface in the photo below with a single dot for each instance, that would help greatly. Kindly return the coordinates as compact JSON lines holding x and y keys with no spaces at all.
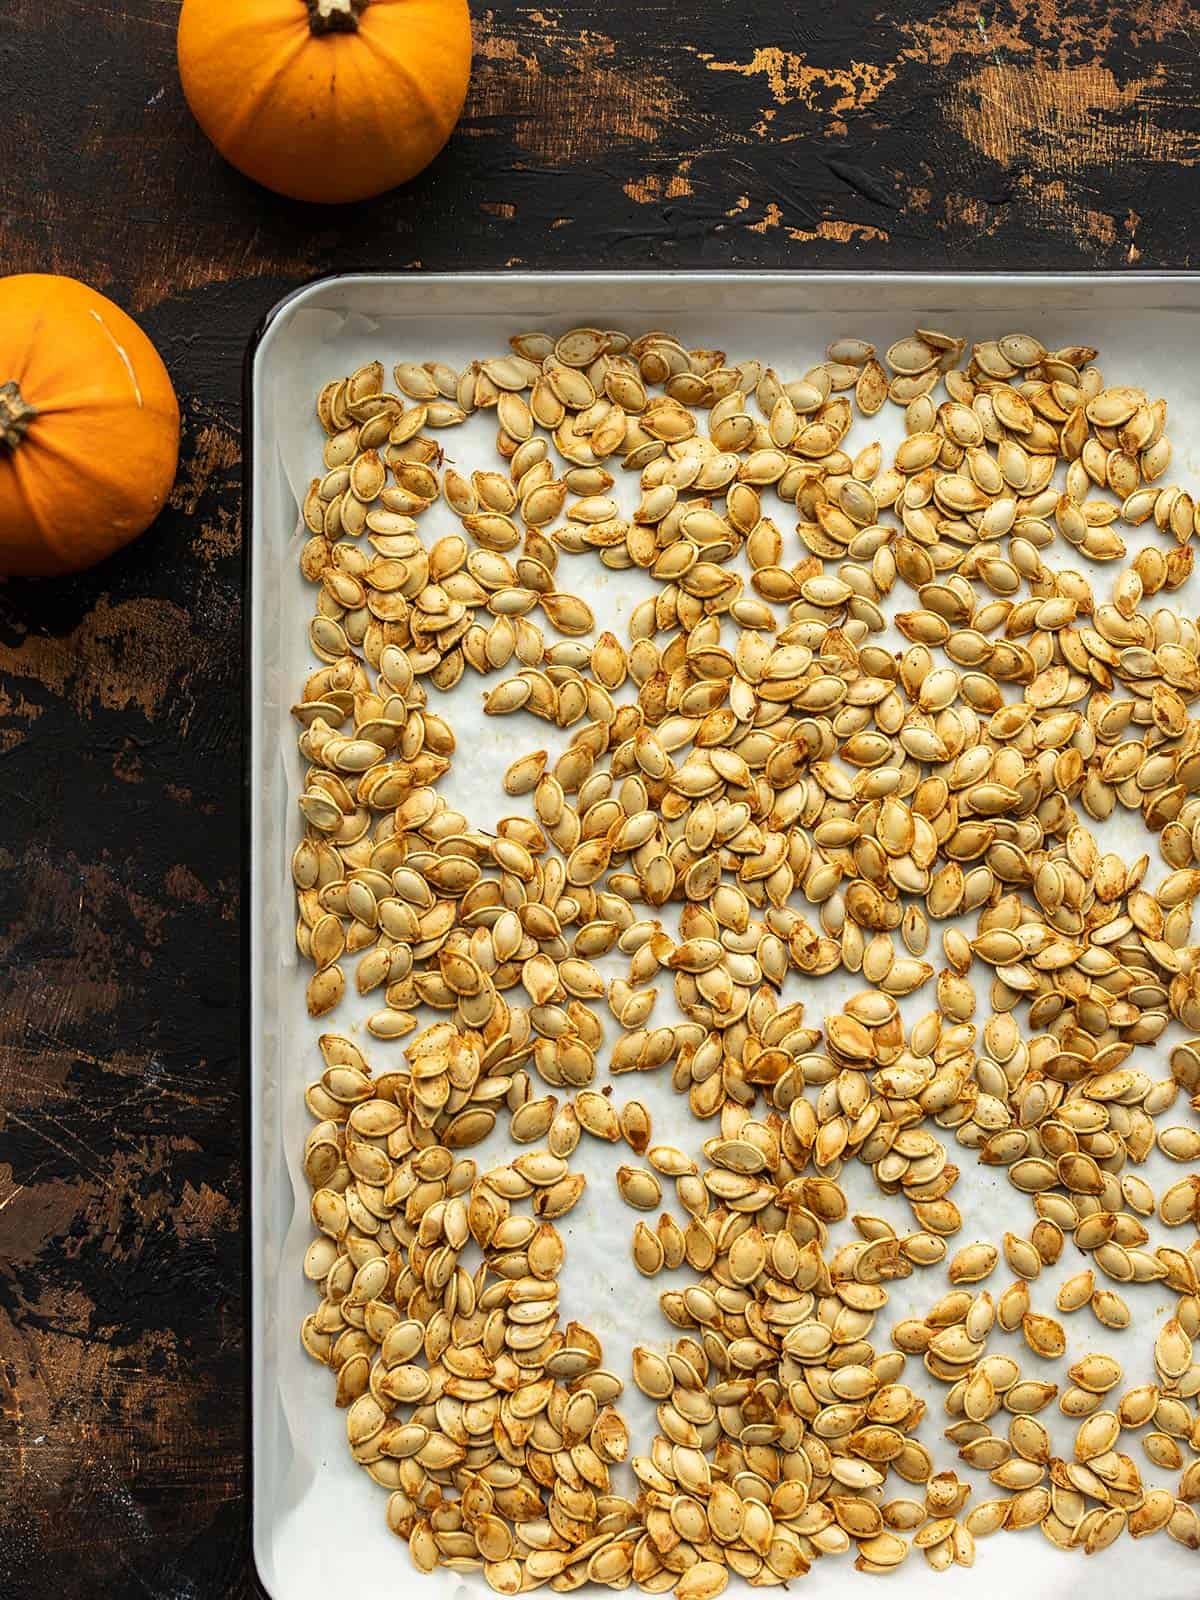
{"x":1023,"y":135}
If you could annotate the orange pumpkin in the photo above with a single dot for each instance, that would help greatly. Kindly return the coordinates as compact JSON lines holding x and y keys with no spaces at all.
{"x":89,"y":427}
{"x":326,"y":100}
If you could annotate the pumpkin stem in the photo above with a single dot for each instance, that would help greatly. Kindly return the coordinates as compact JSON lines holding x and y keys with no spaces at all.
{"x":15,"y":415}
{"x":334,"y":16}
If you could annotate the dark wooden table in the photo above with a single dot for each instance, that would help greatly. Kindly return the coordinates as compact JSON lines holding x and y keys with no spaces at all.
{"x":966,"y":135}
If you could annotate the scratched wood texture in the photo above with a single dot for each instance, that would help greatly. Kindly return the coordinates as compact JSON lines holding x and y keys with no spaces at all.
{"x":966,"y":135}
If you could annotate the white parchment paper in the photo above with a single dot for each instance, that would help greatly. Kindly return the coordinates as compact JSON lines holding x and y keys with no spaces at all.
{"x":319,"y":1520}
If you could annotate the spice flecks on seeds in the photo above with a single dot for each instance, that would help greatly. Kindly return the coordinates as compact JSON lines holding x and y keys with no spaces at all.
{"x":757,"y":783}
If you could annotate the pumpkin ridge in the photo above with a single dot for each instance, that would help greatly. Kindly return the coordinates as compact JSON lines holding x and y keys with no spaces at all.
{"x":48,"y":459}
{"x":355,"y":82}
{"x":27,"y":477}
{"x":64,"y":405}
{"x":17,"y":363}
{"x":242,"y":124}
{"x":415,"y":86}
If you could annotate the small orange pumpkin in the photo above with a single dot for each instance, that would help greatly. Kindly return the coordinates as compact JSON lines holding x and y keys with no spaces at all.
{"x":89,"y":427}
{"x":326,"y":100}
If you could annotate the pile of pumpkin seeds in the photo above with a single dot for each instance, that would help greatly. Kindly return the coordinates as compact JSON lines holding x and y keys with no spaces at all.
{"x":757,"y":783}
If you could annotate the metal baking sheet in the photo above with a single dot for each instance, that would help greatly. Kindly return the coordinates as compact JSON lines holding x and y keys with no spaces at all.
{"x":318,"y":1520}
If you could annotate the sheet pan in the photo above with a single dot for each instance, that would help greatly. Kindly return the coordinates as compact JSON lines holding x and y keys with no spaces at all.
{"x":319,"y":1527}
